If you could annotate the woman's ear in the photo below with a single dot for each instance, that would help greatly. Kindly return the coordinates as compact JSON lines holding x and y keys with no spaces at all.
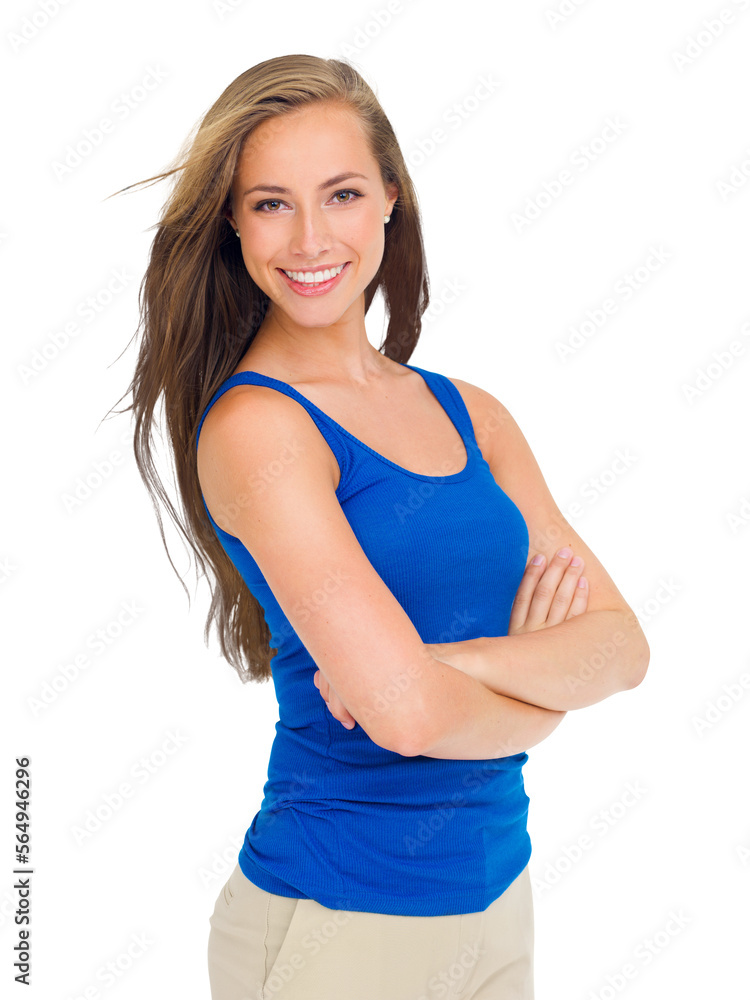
{"x":391,"y":193}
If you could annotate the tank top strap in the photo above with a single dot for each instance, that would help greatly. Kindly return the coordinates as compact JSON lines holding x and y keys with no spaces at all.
{"x":327,"y":427}
{"x":451,"y":399}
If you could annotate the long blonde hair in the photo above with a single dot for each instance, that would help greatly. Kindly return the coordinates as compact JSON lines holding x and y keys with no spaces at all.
{"x":200,"y":309}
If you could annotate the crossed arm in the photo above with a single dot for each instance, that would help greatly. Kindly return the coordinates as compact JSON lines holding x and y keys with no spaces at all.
{"x":531,"y":664}
{"x":572,"y":639}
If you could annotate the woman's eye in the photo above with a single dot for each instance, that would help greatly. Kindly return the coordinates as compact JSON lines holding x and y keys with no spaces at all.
{"x":354,"y":193}
{"x":260,"y":207}
{"x":272,"y":205}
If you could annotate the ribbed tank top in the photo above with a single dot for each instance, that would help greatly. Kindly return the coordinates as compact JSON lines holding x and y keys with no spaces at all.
{"x":344,"y":821}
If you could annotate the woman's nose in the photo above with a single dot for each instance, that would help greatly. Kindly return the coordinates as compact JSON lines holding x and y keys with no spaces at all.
{"x":309,"y":235}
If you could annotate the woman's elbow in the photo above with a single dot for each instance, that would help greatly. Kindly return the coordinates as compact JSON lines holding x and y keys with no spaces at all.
{"x":639,"y":661}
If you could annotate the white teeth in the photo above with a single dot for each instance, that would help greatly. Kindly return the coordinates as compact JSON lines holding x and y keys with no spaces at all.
{"x":310,"y":278}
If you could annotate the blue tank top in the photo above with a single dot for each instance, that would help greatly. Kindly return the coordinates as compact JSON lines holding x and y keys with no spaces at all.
{"x":344,"y":821}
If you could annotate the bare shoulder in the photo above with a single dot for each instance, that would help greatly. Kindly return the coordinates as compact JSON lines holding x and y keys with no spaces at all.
{"x":284,"y":510}
{"x":489,"y":417}
{"x":517,"y":472}
{"x":482,"y":400}
{"x":256,"y":431}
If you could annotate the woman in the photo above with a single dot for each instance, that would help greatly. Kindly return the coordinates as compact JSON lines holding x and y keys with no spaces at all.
{"x":368,"y":524}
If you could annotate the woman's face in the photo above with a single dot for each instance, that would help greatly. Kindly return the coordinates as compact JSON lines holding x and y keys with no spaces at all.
{"x":307,"y":198}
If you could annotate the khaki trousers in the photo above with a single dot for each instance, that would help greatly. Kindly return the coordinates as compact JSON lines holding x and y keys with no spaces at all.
{"x":267,"y":947}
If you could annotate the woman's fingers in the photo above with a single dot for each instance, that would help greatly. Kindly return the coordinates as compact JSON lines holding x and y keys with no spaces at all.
{"x":320,"y":682}
{"x":549,"y":594}
{"x":566,"y":589}
{"x":335,"y":705}
{"x":553,"y":593}
{"x":524,"y":594}
{"x":580,"y":599}
{"x":339,"y":711}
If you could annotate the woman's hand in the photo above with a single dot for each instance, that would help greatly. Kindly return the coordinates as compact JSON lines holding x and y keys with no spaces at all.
{"x":549,"y":595}
{"x":335,"y":705}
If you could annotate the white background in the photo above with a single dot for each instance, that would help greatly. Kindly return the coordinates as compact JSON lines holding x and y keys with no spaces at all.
{"x":671,"y":528}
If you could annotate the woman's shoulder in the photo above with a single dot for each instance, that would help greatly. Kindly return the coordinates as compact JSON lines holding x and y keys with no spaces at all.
{"x":253,"y":419}
{"x":480,"y":403}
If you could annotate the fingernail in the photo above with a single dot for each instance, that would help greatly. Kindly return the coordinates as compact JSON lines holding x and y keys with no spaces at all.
{"x":565,"y":553}
{"x":577,"y":561}
{"x":537,"y":560}
{"x":582,"y":582}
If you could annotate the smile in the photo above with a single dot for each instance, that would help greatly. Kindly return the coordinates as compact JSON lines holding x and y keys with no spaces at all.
{"x":314,"y":282}
{"x":314,"y":277}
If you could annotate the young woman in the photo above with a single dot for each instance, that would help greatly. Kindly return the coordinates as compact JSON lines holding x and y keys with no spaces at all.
{"x":368,"y":526}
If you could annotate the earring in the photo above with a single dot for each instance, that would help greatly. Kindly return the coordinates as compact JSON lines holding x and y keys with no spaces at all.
{"x":386,"y":218}
{"x":237,"y":232}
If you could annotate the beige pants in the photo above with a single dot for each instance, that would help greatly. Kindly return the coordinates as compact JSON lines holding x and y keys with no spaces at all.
{"x":262,"y":947}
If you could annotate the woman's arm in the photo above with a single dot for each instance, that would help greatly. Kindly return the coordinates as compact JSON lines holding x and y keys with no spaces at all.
{"x":557,"y":653}
{"x":359,"y":635}
{"x":468,"y":721}
{"x":460,"y":717}
{"x":576,"y":662}
{"x":571,"y":665}
{"x":462,"y":720}
{"x":544,"y":599}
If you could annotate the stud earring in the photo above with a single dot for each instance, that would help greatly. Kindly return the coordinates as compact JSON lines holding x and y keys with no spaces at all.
{"x":237,"y":232}
{"x":386,"y":218}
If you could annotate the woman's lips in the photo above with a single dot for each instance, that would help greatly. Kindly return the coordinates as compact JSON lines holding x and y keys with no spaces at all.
{"x":311,"y":289}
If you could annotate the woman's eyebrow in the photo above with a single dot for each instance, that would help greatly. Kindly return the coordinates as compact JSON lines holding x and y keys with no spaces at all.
{"x":275,"y":189}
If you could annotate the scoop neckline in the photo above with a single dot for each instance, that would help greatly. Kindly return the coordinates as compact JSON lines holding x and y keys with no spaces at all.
{"x":454,"y":477}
